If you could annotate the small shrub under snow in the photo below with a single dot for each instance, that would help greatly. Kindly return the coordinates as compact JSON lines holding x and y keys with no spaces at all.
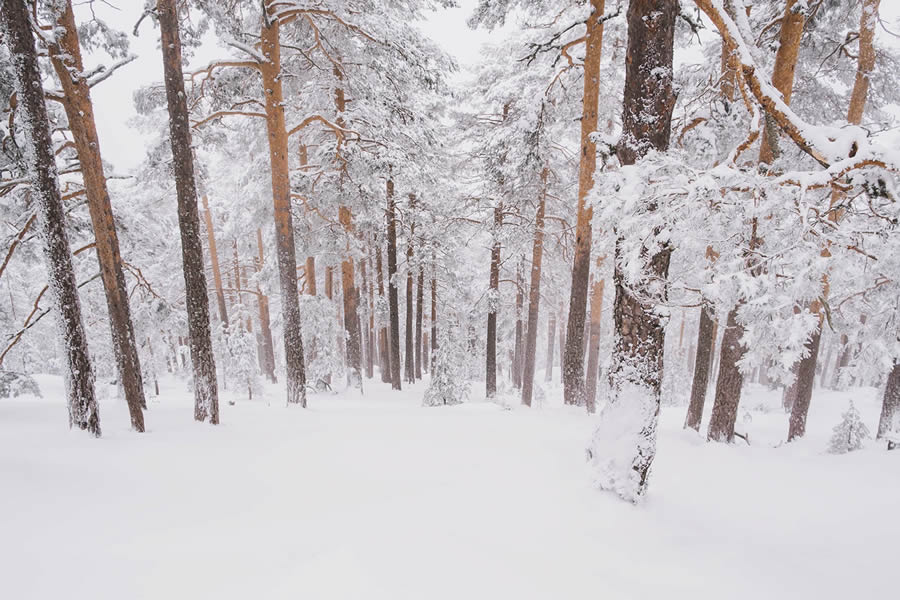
{"x":849,"y":433}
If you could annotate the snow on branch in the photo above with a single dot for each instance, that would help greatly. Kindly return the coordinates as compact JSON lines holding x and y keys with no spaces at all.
{"x":102,"y":73}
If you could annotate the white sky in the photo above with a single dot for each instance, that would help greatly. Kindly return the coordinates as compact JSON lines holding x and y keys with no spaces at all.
{"x":123,"y":146}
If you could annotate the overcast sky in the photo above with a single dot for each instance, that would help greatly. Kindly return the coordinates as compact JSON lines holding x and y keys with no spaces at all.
{"x":124,"y":146}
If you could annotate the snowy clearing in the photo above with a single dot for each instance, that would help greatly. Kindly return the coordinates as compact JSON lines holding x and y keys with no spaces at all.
{"x":377,"y":497}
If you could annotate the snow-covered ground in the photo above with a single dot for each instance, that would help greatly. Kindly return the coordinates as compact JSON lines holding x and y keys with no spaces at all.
{"x":376,"y":497}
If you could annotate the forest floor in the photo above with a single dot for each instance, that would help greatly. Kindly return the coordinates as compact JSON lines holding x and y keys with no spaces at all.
{"x":370,"y":497}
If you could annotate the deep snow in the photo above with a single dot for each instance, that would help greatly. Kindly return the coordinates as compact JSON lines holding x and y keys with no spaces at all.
{"x":377,"y":497}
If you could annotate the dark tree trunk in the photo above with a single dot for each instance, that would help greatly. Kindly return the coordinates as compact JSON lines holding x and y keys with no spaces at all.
{"x":310,"y":273}
{"x":639,"y":341}
{"x":534,"y":295}
{"x":705,"y":340}
{"x":490,"y":377}
{"x":393,"y":302}
{"x":890,"y":408}
{"x":420,"y":293}
{"x":728,"y":383}
{"x":384,"y":350}
{"x":519,"y":341}
{"x":286,"y":253}
{"x":265,"y":326}
{"x":806,"y":373}
{"x":573,"y":357}
{"x":351,"y":304}
{"x":434,"y":340}
{"x":206,"y":391}
{"x":66,"y":59}
{"x":79,"y":376}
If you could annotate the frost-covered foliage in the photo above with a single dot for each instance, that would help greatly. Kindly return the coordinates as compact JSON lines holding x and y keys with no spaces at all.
{"x":450,"y":381}
{"x":322,"y":332}
{"x":241,"y":364}
{"x":14,"y":384}
{"x":849,"y":434}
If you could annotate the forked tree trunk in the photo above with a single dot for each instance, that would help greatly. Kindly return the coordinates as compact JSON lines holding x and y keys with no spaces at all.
{"x":281,"y":196}
{"x":79,"y":375}
{"x":393,"y":301}
{"x":409,"y":363}
{"x":705,"y":339}
{"x":206,"y":391}
{"x":66,"y":59}
{"x":490,"y":377}
{"x":624,"y":444}
{"x":214,"y":260}
{"x":573,"y":358}
{"x":551,"y":334}
{"x":265,"y":328}
{"x":865,"y":65}
{"x":889,"y":423}
{"x":590,"y":380}
{"x":728,"y":390}
{"x":420,"y":293}
{"x":534,"y":295}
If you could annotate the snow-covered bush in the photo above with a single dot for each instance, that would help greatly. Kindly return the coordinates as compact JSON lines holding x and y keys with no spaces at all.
{"x":241,"y":368}
{"x":449,"y":381}
{"x":14,"y":384}
{"x":321,"y":332}
{"x":849,"y":433}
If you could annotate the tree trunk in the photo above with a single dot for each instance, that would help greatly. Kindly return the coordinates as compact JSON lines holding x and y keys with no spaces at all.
{"x":281,"y":195}
{"x":409,"y":363}
{"x":384,"y":350}
{"x":79,"y":375}
{"x":519,"y":347}
{"x":490,"y":376}
{"x":534,"y":295}
{"x":728,"y":383}
{"x":806,"y":374}
{"x":265,"y":328}
{"x":310,"y":273}
{"x":706,"y":337}
{"x":420,"y":293}
{"x":434,"y":339}
{"x":889,"y":423}
{"x":622,"y":457}
{"x":590,"y":383}
{"x":206,"y":392}
{"x":66,"y":59}
{"x":370,"y":328}
{"x":214,"y":260}
{"x":393,"y":302}
{"x":351,"y":302}
{"x":551,"y":334}
{"x":573,"y":359}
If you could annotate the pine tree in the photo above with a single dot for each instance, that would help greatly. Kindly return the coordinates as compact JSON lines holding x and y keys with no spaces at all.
{"x":849,"y":434}
{"x":449,"y":378}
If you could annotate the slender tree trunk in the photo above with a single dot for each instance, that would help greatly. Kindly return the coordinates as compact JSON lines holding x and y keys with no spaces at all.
{"x":590,"y":384}
{"x":384,"y":349}
{"x":281,"y":194}
{"x":79,"y":375}
{"x":490,"y":377}
{"x":310,"y":274}
{"x":351,"y":302}
{"x":66,"y":59}
{"x":214,"y":260}
{"x":728,"y":390}
{"x":420,"y":293}
{"x":265,"y":328}
{"x":573,"y":359}
{"x":519,"y":340}
{"x":393,"y":302}
{"x":551,"y":334}
{"x":369,"y":335}
{"x":206,"y":392}
{"x":534,"y":295}
{"x":706,"y":338}
{"x":890,"y":409}
{"x":637,"y":369}
{"x":806,"y":372}
{"x":410,"y":352}
{"x":434,"y":339}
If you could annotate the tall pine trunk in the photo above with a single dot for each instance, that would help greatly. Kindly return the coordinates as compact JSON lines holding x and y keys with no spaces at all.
{"x":519,"y":339}
{"x":409,"y":355}
{"x":79,"y":375}
{"x":265,"y":328}
{"x":351,"y":304}
{"x":624,"y":444}
{"x":214,"y":260}
{"x":551,"y":334}
{"x":281,"y":197}
{"x":705,"y":339}
{"x":370,"y":322}
{"x":206,"y":391}
{"x":384,"y":350}
{"x":573,"y":358}
{"x":889,"y":423}
{"x":420,"y":293}
{"x":393,"y":301}
{"x":490,"y":377}
{"x":590,"y":380}
{"x":534,"y":295}
{"x":66,"y":58}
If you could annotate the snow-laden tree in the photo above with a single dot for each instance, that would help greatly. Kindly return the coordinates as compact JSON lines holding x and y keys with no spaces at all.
{"x":849,"y":434}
